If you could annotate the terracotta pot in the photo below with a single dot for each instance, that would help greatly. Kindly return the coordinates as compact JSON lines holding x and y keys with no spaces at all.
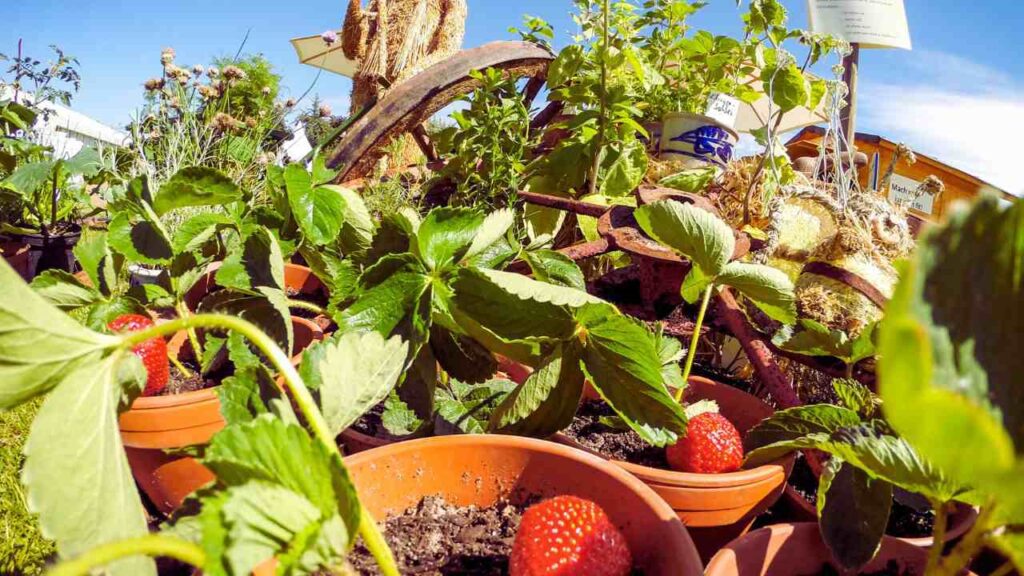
{"x":17,"y":255}
{"x":960,"y":520}
{"x":694,"y":141}
{"x":158,"y":423}
{"x":481,"y":469}
{"x":298,"y":278}
{"x":788,"y":549}
{"x":716,"y":508}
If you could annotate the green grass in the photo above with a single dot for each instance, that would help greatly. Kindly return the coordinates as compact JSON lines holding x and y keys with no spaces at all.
{"x":23,"y":550}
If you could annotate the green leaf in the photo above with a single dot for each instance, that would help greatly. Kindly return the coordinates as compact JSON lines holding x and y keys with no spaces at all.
{"x":144,"y":241}
{"x":623,"y":170}
{"x":794,"y":423}
{"x":446,"y":235}
{"x":388,"y":305}
{"x":694,"y":180}
{"x":812,"y":339}
{"x":28,"y":178}
{"x":356,"y":372}
{"x":38,"y":344}
{"x":358,"y":226}
{"x":267,"y":309}
{"x":195,"y":232}
{"x":527,"y":288}
{"x":257,"y":263}
{"x":468,"y":407}
{"x":555,"y":268}
{"x":76,"y":475}
{"x":547,"y":401}
{"x":770,"y":289}
{"x":87,"y":162}
{"x":64,"y":290}
{"x":103,"y":312}
{"x":854,"y":511}
{"x":694,"y":233}
{"x":462,"y":357}
{"x":620,"y":358}
{"x":670,"y":352}
{"x":494,"y":228}
{"x":949,"y":346}
{"x":318,"y":210}
{"x":96,"y":260}
{"x":250,"y":392}
{"x":195,"y":186}
{"x":857,"y":397}
{"x":787,"y":86}
{"x":511,"y":313}
{"x":267,"y":449}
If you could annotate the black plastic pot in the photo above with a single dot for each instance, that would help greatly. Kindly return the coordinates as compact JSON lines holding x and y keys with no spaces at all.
{"x":52,"y":252}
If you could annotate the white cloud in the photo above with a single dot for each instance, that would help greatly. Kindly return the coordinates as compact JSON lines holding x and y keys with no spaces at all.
{"x":958,"y":111}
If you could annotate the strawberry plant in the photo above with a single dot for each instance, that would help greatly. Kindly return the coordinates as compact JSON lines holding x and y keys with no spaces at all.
{"x":708,"y":243}
{"x":281,"y":491}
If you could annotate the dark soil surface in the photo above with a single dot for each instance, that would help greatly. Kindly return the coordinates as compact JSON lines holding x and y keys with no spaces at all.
{"x":179,"y":383}
{"x":587,"y":429}
{"x":437,"y":538}
{"x":371,"y":424}
{"x":904,"y":521}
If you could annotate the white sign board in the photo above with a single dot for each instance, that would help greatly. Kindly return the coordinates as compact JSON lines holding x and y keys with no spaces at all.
{"x":904,"y":189}
{"x":723,"y":108}
{"x":870,"y":23}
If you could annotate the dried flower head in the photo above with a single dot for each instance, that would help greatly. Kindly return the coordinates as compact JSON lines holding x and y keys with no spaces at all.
{"x":324,"y":110}
{"x":289,"y":103}
{"x":167,"y":56}
{"x":209,"y":92}
{"x":233,"y":73}
{"x":223,"y":122}
{"x":250,"y":122}
{"x":180,"y":75}
{"x":329,"y":37}
{"x":175,"y":103}
{"x":154,"y":134}
{"x":154,"y":84}
{"x":265,"y":91}
{"x":197,"y":69}
{"x":932,"y":186}
{"x":213,"y":72}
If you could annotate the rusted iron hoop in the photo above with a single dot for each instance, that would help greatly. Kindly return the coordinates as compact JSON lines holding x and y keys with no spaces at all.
{"x":415,"y":100}
{"x":867,"y":289}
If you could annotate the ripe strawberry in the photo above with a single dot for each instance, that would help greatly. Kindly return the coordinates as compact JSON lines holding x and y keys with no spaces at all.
{"x":712,"y":445}
{"x":152,"y":352}
{"x":566,"y":536}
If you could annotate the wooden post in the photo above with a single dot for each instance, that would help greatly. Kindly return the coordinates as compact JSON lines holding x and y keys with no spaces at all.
{"x":848,"y":116}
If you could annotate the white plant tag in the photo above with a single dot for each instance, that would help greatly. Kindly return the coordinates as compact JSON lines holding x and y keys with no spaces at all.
{"x":723,"y":108}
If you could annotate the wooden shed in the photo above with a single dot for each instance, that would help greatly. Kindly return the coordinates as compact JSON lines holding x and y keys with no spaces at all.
{"x":959,"y":184}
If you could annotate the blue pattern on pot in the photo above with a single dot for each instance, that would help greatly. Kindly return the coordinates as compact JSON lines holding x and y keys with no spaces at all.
{"x":709,"y":143}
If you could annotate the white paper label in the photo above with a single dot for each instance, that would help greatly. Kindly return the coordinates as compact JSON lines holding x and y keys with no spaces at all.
{"x":870,"y":23}
{"x":904,"y":189}
{"x":723,"y":108}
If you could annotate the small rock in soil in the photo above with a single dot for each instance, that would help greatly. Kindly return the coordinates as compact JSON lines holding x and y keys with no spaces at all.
{"x":587,"y":429}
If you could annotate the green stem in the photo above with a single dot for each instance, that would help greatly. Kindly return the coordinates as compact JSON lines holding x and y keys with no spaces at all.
{"x":181,"y":367}
{"x":938,"y":537}
{"x":969,"y":546}
{"x":368,"y":528}
{"x":692,"y":352}
{"x":149,"y":545}
{"x":303,"y":305}
{"x":193,"y":338}
{"x":601,"y":120}
{"x":1004,"y":570}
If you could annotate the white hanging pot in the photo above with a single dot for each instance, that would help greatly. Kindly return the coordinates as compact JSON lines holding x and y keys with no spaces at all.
{"x":141,"y":276}
{"x":694,"y":140}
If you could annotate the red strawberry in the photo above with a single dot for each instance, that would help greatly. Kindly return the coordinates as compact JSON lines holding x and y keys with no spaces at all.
{"x":712,"y":445}
{"x":567,"y":536}
{"x":152,"y":352}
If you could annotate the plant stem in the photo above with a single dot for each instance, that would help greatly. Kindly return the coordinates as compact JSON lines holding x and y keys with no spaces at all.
{"x":303,"y":305}
{"x":148,"y":545}
{"x":601,"y":121}
{"x":692,"y":352}
{"x":181,"y":367}
{"x":1004,"y":570}
{"x":368,"y":528}
{"x":969,"y":546}
{"x":193,"y":338}
{"x":938,"y":536}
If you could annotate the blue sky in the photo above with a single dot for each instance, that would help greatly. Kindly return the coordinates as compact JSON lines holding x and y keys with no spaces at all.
{"x":959,"y":95}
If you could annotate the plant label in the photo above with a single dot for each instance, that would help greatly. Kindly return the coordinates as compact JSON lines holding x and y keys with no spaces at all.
{"x":870,"y":23}
{"x":903,"y":190}
{"x":723,"y":108}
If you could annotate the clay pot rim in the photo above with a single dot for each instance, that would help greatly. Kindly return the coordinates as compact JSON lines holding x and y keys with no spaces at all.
{"x":661,"y":508}
{"x":206,"y":394}
{"x":722,"y":562}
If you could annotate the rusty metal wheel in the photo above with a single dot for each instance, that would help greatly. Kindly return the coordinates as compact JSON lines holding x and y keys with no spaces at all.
{"x":410,"y":104}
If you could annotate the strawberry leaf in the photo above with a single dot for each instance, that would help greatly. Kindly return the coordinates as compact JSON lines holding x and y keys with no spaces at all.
{"x":854,"y":511}
{"x":446,"y":235}
{"x":195,"y":186}
{"x":693,"y":233}
{"x":318,"y":210}
{"x":547,"y":401}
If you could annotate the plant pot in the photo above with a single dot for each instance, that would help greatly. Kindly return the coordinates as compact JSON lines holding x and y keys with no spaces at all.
{"x":157,"y":423}
{"x":694,"y":141}
{"x":716,"y":508}
{"x":142,"y":276}
{"x":481,"y":469}
{"x":960,"y":520}
{"x":787,"y":549}
{"x":17,"y":256}
{"x":52,"y":252}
